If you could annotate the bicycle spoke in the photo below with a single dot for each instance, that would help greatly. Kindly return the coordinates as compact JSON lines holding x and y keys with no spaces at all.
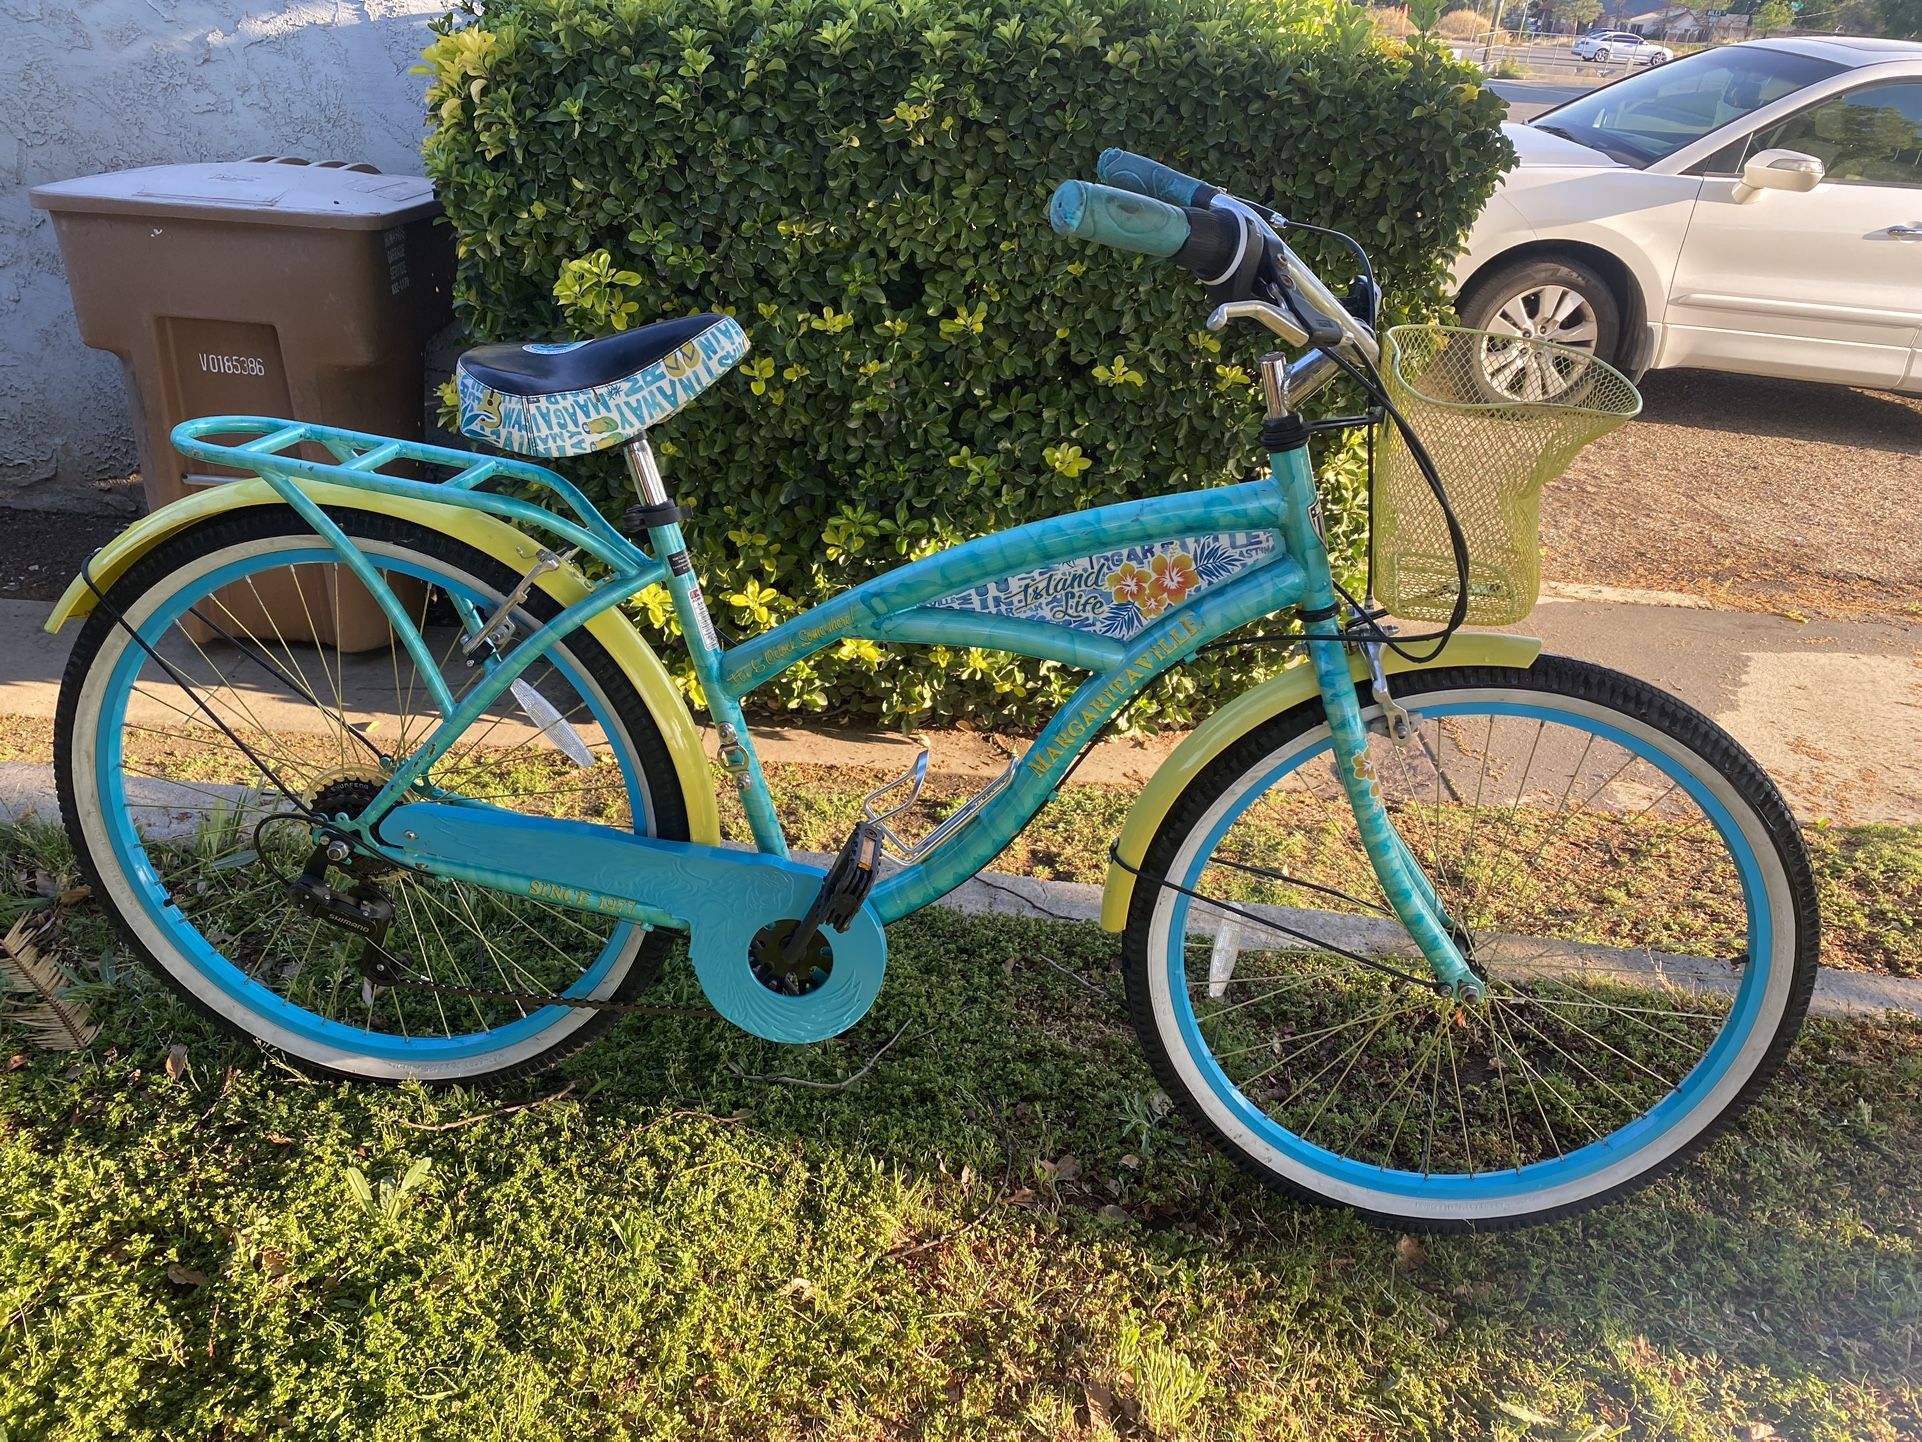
{"x":251,"y":721}
{"x":1590,"y":881}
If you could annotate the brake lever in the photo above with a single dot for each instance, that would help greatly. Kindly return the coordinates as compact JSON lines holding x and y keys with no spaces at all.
{"x":1273,"y":317}
{"x":1326,"y":331}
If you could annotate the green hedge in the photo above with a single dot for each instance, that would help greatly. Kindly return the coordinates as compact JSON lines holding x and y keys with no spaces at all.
{"x":865,"y":185}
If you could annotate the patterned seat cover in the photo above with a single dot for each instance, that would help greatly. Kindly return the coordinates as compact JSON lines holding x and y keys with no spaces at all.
{"x":581,"y":396}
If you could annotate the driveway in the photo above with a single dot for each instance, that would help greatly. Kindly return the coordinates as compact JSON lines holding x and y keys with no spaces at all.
{"x":1761,"y":495}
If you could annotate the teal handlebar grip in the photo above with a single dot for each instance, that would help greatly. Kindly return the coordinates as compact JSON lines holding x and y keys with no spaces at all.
{"x":1150,"y":177}
{"x":1118,"y":218}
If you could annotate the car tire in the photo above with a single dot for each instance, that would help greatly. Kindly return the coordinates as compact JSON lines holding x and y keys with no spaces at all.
{"x":1509,"y":297}
{"x":1657,"y":59}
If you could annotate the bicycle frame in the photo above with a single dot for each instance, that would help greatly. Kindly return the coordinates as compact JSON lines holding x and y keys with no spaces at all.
{"x":897,"y":607}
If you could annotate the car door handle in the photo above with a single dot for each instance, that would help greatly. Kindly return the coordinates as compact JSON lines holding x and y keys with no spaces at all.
{"x":1905,"y":231}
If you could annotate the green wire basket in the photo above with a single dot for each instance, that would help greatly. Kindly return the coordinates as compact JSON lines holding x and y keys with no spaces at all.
{"x":1501,"y":416}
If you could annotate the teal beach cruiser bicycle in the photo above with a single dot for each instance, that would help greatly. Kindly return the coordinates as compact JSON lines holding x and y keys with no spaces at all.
{"x":373,"y":767}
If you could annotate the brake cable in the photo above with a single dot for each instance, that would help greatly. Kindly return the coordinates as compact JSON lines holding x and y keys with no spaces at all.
{"x":1368,"y":630}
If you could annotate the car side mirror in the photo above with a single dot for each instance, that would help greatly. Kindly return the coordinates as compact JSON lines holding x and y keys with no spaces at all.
{"x":1778,"y":170}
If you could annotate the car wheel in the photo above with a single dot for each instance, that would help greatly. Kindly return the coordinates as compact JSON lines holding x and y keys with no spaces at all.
{"x":1559,"y":301}
{"x":1602,"y":55}
{"x":1656,"y":59}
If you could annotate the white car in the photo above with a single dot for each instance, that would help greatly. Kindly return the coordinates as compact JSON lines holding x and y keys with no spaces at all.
{"x":1754,"y":208}
{"x":1602,"y":46}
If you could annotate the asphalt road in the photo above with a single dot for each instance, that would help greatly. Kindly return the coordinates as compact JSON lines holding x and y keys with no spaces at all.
{"x":1529,"y":98}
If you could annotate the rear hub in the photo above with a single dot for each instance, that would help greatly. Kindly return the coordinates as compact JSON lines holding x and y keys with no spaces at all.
{"x":343,"y":799}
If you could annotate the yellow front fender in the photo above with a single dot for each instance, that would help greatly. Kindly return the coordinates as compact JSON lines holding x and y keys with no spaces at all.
{"x":512,"y":548}
{"x":1242,"y":715}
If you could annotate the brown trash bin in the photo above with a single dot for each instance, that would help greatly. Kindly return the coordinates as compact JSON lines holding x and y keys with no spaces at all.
{"x":265,"y":287}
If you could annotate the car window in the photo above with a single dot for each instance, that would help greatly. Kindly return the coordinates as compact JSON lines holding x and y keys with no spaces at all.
{"x":1872,"y":135}
{"x":1651,"y":115}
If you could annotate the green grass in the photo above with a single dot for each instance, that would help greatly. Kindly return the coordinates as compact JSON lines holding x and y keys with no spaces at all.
{"x":1870,"y":882}
{"x":674,"y":1249}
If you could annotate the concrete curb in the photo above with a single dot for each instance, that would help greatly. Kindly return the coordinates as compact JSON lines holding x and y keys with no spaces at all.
{"x":27,"y":791}
{"x":1623,"y":596}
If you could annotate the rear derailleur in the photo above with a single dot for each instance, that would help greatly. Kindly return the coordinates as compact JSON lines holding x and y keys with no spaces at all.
{"x":362,"y":909}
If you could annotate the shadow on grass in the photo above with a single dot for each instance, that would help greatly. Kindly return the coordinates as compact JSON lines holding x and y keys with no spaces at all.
{"x":672,"y":1249}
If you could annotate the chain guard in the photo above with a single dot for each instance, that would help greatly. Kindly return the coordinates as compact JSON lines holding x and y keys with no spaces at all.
{"x":723,"y":898}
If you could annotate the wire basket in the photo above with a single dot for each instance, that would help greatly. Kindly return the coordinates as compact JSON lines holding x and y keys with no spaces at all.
{"x":1500,"y":416}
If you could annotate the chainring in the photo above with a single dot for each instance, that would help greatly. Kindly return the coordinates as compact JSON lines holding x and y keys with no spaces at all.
{"x":767,"y":959}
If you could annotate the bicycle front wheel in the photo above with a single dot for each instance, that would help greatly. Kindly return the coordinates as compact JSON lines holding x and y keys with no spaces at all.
{"x":1626,"y":879}
{"x":236,"y":681}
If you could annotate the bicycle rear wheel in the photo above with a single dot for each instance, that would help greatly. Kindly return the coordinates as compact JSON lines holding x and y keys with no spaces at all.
{"x":1629,"y":883}
{"x":184,"y":769}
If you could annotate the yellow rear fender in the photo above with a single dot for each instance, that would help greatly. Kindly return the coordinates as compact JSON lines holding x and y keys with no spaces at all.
{"x":1242,"y":715}
{"x":512,"y":548}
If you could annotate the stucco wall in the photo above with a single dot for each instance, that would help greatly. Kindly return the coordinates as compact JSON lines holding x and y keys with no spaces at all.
{"x":95,"y":85}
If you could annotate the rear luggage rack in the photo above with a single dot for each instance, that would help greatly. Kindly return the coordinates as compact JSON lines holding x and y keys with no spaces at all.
{"x":358,"y":459}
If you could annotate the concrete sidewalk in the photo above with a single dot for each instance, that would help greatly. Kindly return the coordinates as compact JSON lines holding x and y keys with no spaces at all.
{"x":1833,"y":709}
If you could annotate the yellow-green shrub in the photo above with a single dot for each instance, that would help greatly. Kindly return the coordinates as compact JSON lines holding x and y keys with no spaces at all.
{"x":865,"y":185}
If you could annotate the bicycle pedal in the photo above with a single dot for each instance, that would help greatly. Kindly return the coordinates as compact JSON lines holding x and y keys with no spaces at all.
{"x":843,"y":890}
{"x":853,"y":874}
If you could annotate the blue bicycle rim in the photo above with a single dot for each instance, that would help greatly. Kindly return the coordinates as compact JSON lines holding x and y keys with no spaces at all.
{"x":1536,"y":1176}
{"x":131,"y":851}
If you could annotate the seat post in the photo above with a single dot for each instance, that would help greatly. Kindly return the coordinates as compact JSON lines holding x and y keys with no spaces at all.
{"x":661,"y":519}
{"x":646,"y":472}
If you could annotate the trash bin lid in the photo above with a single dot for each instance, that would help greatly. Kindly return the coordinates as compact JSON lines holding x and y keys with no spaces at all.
{"x":262,"y":191}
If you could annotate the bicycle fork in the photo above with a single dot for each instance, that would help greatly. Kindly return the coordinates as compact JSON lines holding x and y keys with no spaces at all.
{"x":1410,"y":893}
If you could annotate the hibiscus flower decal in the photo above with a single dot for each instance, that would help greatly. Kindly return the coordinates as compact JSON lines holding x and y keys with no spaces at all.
{"x":1173,"y":577}
{"x":1128,"y":584}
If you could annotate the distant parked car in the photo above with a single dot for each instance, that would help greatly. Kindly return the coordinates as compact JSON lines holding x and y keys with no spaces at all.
{"x":1755,"y":208}
{"x":1602,"y":46}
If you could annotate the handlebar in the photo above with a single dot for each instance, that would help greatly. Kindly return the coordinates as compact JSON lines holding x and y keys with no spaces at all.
{"x":1151,"y":177}
{"x":1204,"y":241}
{"x":1228,"y":244}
